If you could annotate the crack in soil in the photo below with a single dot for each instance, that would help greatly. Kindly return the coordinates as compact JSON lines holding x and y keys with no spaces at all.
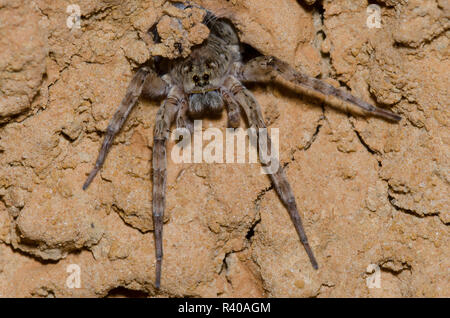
{"x":364,"y":143}
{"x":251,"y":230}
{"x":393,"y":200}
{"x":314,"y":136}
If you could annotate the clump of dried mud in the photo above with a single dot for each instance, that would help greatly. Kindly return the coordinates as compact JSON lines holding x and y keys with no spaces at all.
{"x":370,"y":191}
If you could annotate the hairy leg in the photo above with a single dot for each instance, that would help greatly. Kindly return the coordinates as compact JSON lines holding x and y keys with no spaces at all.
{"x":137,"y":85}
{"x":253,"y":112}
{"x":267,"y":68}
{"x":233,"y":111}
{"x":183,"y":120}
{"x":164,"y":118}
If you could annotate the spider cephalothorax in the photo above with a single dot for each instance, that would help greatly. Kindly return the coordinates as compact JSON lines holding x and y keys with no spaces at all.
{"x":203,"y":73}
{"x":205,"y":82}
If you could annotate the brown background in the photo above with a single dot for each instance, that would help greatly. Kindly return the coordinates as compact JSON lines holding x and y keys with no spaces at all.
{"x":369,"y":191}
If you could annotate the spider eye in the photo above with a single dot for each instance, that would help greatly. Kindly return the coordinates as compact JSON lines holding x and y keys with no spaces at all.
{"x":206,"y":77}
{"x":195,"y":78}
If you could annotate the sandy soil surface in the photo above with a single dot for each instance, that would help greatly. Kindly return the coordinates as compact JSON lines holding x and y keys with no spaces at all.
{"x":374,"y":195}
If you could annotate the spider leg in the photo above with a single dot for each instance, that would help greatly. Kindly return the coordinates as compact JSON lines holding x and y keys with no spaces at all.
{"x":233,"y":111}
{"x":135,"y":88}
{"x":264,"y":68}
{"x":183,"y":120}
{"x":164,"y":118}
{"x":255,"y":119}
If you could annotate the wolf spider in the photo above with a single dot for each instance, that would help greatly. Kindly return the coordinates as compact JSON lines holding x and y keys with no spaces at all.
{"x":205,"y":82}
